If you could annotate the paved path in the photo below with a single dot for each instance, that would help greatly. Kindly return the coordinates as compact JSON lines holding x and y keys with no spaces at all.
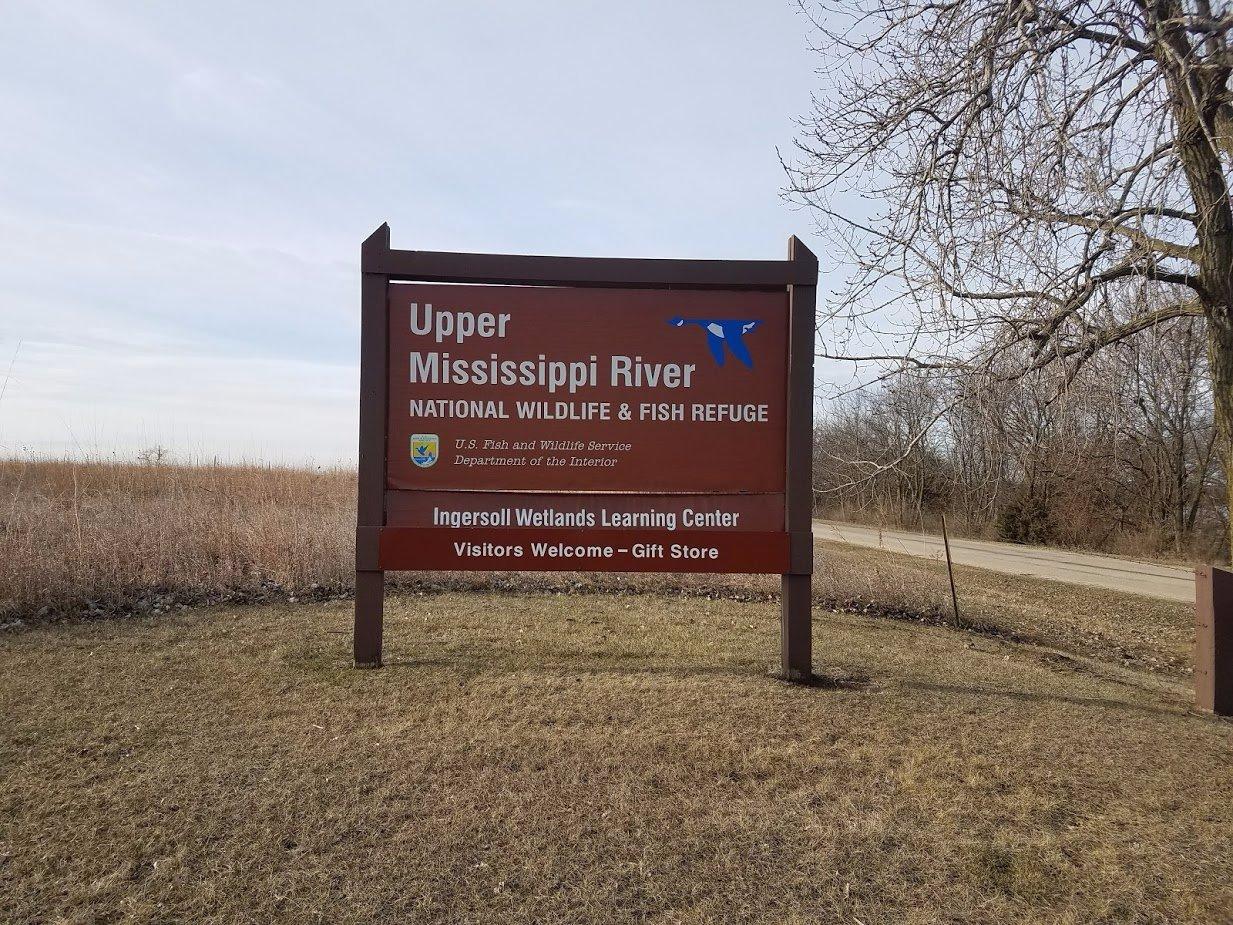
{"x":1147,"y":578}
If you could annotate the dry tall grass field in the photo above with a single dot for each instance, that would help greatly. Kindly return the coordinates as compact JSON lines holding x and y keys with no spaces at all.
{"x":112,"y":539}
{"x":93,"y":539}
{"x":557,"y":758}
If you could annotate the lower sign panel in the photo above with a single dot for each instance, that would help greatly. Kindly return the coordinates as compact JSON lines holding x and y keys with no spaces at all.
{"x":548,"y":550}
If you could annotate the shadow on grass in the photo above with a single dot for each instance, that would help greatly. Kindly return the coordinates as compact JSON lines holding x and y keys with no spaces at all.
{"x":1106,"y":703}
{"x":476,"y":665}
{"x":471,"y":667}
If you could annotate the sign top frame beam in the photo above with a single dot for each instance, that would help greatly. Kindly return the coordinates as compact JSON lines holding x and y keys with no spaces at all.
{"x":607,"y":272}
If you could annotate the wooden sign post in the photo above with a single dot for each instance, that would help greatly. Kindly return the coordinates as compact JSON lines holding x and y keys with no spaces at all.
{"x":586,"y":414}
{"x":1213,"y":640}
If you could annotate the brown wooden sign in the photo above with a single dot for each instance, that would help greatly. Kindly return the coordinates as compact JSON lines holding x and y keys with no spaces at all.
{"x":559,"y":413}
{"x":552,"y":549}
{"x":536,"y":389}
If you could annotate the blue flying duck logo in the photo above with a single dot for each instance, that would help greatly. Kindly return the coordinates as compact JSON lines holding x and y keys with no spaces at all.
{"x":723,"y":336}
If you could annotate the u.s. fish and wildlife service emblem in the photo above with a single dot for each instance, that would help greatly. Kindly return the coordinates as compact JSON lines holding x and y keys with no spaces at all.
{"x":424,"y":449}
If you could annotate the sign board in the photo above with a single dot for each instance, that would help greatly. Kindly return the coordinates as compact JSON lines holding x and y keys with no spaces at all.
{"x":550,"y":413}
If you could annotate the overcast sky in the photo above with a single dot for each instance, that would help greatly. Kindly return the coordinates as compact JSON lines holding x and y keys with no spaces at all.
{"x":184,"y":187}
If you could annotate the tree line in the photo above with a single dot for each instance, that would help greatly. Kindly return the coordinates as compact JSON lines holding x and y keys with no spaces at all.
{"x":1123,"y":456}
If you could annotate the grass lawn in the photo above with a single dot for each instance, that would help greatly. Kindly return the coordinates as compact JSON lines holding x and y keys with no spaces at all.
{"x":1136,"y":631}
{"x":558,"y":758}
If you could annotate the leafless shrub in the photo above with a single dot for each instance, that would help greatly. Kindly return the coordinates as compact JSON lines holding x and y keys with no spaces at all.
{"x":1123,"y":459}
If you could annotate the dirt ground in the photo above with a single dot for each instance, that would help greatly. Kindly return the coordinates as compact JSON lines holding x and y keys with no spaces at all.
{"x":567,"y":758}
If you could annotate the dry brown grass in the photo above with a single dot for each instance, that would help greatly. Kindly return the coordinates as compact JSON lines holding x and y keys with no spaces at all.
{"x":108,"y":537}
{"x":1136,"y":631}
{"x":568,"y":758}
{"x":94,"y":539}
{"x":102,"y":538}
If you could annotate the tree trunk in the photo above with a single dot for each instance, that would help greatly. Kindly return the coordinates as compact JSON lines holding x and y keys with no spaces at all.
{"x":1220,"y":355}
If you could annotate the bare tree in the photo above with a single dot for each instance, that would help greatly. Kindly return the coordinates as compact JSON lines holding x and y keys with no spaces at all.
{"x":1121,"y":460}
{"x":1037,"y":168}
{"x":1164,"y":425}
{"x":853,"y":443}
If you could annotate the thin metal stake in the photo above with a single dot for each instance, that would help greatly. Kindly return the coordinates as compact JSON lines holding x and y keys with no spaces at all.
{"x":950,"y":571}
